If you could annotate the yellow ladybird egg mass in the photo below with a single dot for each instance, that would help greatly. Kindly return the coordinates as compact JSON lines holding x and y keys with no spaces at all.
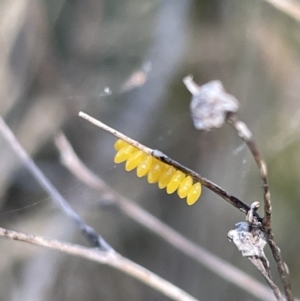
{"x":166,"y":176}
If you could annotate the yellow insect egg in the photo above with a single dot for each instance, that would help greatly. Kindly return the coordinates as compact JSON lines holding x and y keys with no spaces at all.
{"x":134,"y":160}
{"x":124,"y":153}
{"x":185,"y":187}
{"x":144,"y":166}
{"x":155,"y":171}
{"x":175,"y":181}
{"x":166,"y":176}
{"x":194,"y":194}
{"x":120,"y":144}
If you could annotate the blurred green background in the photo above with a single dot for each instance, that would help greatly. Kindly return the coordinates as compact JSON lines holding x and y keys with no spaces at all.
{"x":123,"y":62}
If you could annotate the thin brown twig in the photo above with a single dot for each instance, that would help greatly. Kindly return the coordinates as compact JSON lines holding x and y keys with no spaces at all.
{"x":213,"y":263}
{"x":234,"y":201}
{"x":110,"y":258}
{"x":281,"y":266}
{"x":262,"y":268}
{"x":246,"y":135}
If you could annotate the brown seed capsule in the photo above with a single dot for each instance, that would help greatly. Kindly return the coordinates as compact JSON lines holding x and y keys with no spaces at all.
{"x":210,"y":104}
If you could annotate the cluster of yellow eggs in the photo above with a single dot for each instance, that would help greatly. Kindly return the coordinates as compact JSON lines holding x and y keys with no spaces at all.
{"x":157,"y":172}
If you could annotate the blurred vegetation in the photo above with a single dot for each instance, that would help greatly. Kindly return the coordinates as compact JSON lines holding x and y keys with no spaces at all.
{"x":59,"y":57}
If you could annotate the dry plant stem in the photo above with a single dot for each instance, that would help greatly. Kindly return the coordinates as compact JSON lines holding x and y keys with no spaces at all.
{"x":91,"y":235}
{"x":246,"y":135}
{"x":261,"y":267}
{"x":259,"y":260}
{"x":132,"y":210}
{"x":291,"y":8}
{"x":116,"y":133}
{"x":160,"y":156}
{"x":110,"y":258}
{"x":284,"y":276}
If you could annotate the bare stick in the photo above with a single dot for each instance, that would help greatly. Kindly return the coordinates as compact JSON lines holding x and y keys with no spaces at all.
{"x":246,"y":135}
{"x":281,"y":266}
{"x":213,"y":263}
{"x":91,"y":235}
{"x":110,"y":258}
{"x":161,"y":156}
{"x":116,"y":133}
{"x":260,"y":266}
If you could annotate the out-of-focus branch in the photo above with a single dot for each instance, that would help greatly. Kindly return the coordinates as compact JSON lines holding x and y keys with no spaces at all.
{"x":291,"y":8}
{"x":110,"y":258}
{"x":91,"y":235}
{"x":213,"y":263}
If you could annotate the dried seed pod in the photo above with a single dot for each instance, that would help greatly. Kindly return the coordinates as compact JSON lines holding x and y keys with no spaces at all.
{"x":210,"y":104}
